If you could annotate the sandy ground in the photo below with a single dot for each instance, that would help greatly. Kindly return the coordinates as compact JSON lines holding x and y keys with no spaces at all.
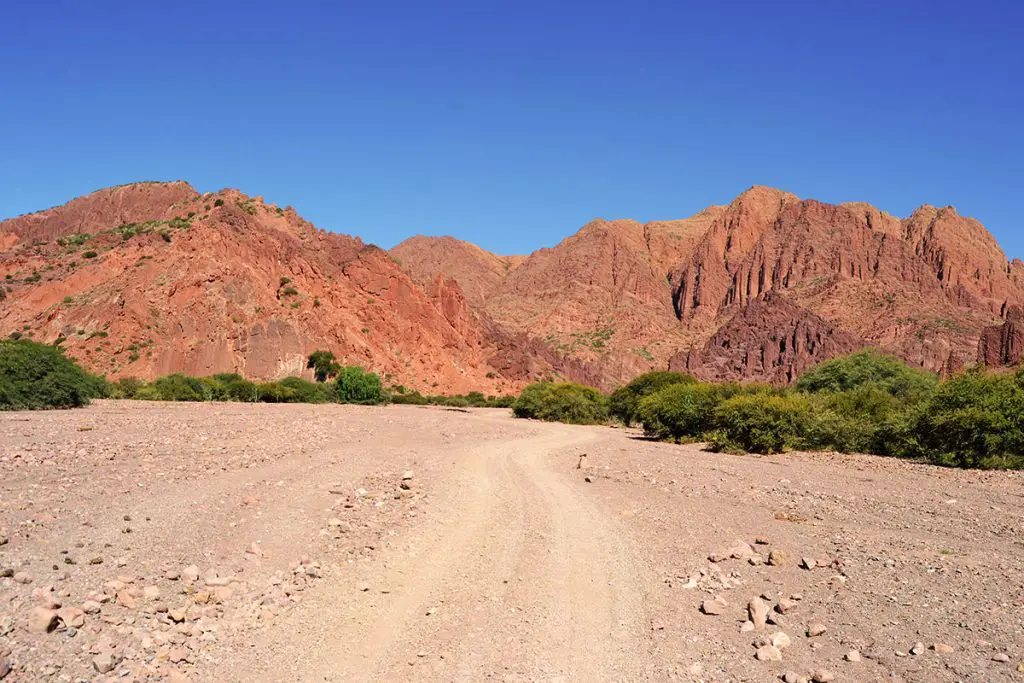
{"x":228,"y":542}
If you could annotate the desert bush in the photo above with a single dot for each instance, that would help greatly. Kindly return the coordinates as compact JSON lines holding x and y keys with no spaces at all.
{"x":862,"y":420}
{"x":869,"y":368}
{"x":323,"y":363}
{"x":179,"y":387}
{"x":679,"y":410}
{"x":35,"y":376}
{"x":562,"y":402}
{"x":975,"y":419}
{"x":147,"y":392}
{"x":625,"y":400}
{"x":408,"y":397}
{"x":356,"y":385}
{"x":306,"y":391}
{"x":126,"y":387}
{"x":760,"y":422}
{"x":234,"y":387}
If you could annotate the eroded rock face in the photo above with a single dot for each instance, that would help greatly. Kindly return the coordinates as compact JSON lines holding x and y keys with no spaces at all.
{"x":111,"y":207}
{"x":238,"y":286}
{"x":770,"y":339}
{"x":154,"y":278}
{"x":1003,"y":345}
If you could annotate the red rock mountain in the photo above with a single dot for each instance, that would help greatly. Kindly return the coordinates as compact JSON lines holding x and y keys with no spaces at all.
{"x":152,"y":278}
{"x":769,"y":267}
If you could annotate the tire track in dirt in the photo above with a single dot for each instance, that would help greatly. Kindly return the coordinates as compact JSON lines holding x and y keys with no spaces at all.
{"x":516,"y":575}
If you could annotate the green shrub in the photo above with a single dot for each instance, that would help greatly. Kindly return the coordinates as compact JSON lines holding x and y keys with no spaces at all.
{"x":234,"y":387}
{"x":869,"y":368}
{"x":323,"y":363}
{"x":90,"y":254}
{"x":356,"y":385}
{"x":406,"y":397}
{"x":760,"y":422}
{"x":562,"y":402}
{"x":126,"y":387}
{"x":973,"y":420}
{"x":679,"y":410}
{"x":35,"y":376}
{"x":625,"y":400}
{"x":179,"y":387}
{"x":306,"y":391}
{"x":862,"y":420}
{"x":147,"y":392}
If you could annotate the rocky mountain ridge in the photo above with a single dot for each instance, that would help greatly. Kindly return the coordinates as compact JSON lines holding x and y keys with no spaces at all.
{"x":925,"y":288}
{"x":151,"y":278}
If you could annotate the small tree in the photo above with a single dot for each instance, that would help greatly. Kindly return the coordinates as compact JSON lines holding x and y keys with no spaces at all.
{"x":324,"y":365}
{"x":356,"y":385}
{"x":626,"y":399}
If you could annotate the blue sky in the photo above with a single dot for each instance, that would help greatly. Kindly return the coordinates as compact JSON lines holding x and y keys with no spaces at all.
{"x":511,"y":124}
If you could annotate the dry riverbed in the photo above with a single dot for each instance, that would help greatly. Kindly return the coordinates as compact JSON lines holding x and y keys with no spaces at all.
{"x":230,"y":542}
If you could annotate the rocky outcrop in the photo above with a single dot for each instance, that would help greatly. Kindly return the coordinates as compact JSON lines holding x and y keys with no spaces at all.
{"x":152,"y":278}
{"x":478,"y":272}
{"x":1003,"y":345}
{"x":103,"y":209}
{"x":770,"y":339}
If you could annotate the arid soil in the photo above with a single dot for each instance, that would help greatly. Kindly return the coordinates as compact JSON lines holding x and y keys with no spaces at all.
{"x":230,"y":542}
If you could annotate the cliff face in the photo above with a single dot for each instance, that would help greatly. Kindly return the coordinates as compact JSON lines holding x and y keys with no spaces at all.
{"x":923,"y":288}
{"x":769,"y":340}
{"x":1003,"y":345}
{"x":153,"y":278}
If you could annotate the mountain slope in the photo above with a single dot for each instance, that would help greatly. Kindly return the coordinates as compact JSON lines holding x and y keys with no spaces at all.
{"x":226,"y":283}
{"x":628,"y":296}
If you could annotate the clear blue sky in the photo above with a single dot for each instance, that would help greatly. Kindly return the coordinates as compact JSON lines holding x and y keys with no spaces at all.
{"x":511,"y":124}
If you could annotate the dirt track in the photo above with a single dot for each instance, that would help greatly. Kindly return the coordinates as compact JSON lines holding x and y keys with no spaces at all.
{"x":497,"y":562}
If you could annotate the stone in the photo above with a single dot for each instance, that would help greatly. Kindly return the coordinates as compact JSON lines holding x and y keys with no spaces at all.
{"x":125,"y":599}
{"x":758,"y":610}
{"x":756,"y":559}
{"x":104,"y":662}
{"x":815,"y":629}
{"x":177,"y":615}
{"x":808,"y":563}
{"x":1001,"y":657}
{"x":5,"y":664}
{"x":42,"y":620}
{"x":190,"y":573}
{"x":780,"y":640}
{"x":777,"y":558}
{"x":792,"y":677}
{"x":917,"y":649}
{"x":407,"y":475}
{"x":362,"y":586}
{"x":714,"y":607}
{"x":740,"y":551}
{"x":768,"y":653}
{"x":747,"y":626}
{"x":91,"y":607}
{"x":785,"y":605}
{"x":852,"y":656}
{"x":72,"y":617}
{"x":22,"y":578}
{"x":823,"y":676}
{"x":151,"y":592}
{"x":178,"y":655}
{"x":942,"y":648}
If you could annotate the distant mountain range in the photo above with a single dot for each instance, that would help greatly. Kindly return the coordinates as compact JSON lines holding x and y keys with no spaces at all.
{"x":152,"y":278}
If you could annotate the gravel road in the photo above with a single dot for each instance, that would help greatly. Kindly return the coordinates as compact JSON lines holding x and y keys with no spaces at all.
{"x":228,"y":542}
